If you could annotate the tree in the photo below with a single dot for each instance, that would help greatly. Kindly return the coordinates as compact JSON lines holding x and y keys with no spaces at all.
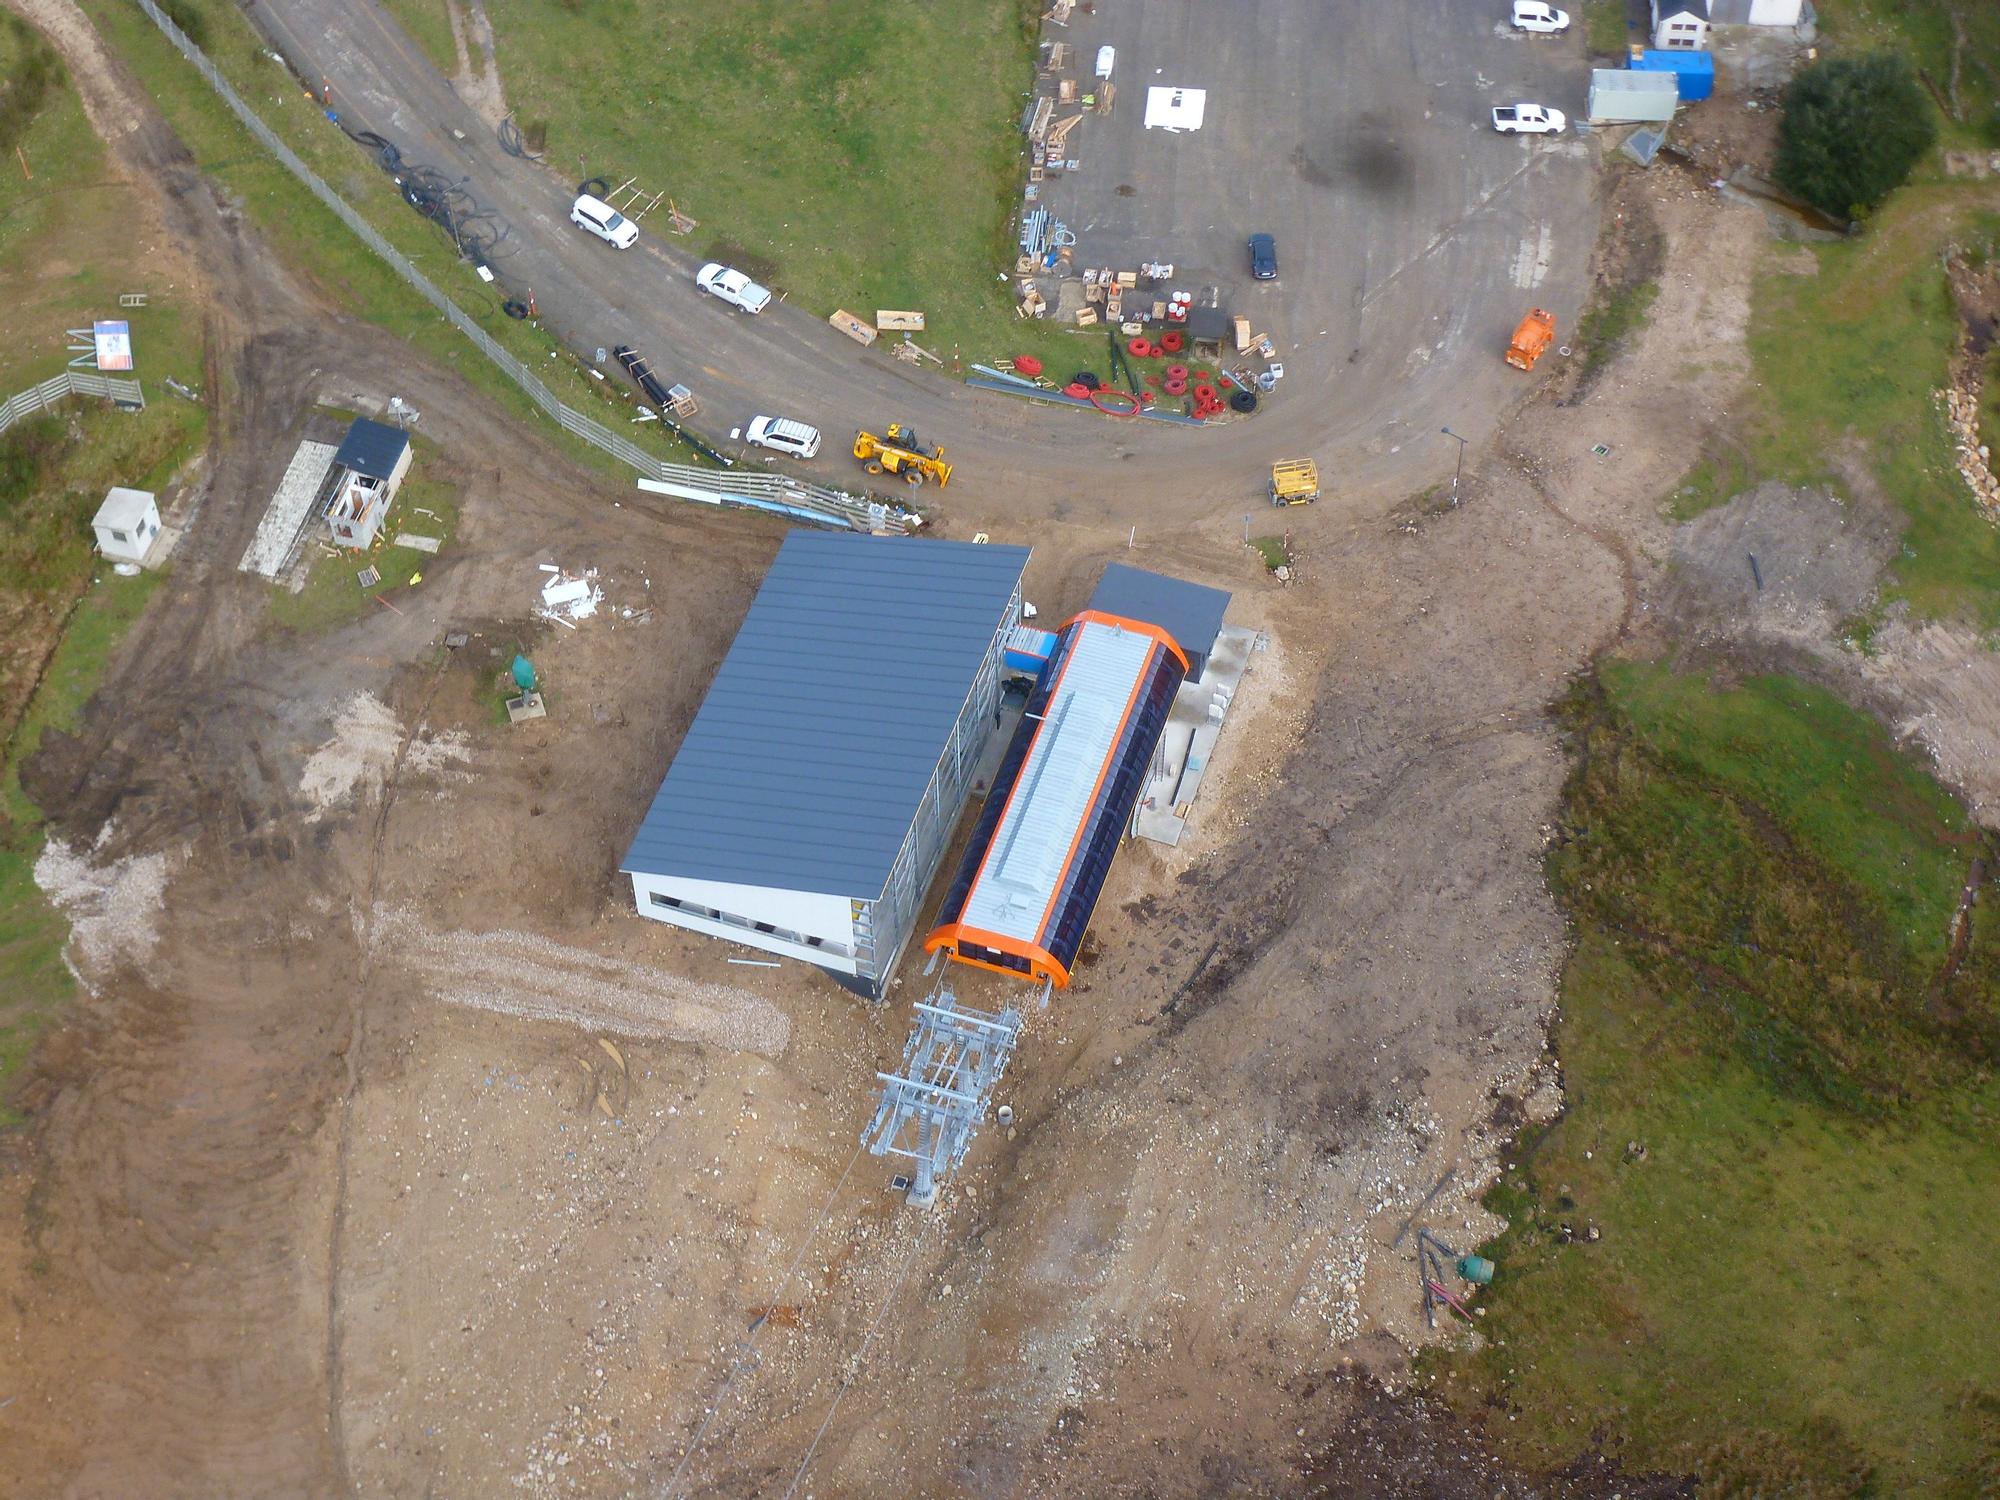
{"x":1853,"y":128}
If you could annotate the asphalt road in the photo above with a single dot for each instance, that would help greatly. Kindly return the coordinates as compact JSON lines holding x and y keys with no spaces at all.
{"x":1411,"y":240}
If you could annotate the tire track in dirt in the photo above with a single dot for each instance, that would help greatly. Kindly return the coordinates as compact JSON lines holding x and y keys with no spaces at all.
{"x":1628,"y":571}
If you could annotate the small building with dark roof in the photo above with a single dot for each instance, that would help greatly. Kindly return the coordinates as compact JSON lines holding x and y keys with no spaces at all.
{"x":1189,"y":612}
{"x":811,"y":800}
{"x":368,"y":468}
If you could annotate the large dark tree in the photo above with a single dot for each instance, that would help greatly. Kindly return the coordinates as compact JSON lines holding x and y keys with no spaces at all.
{"x":1853,"y":128}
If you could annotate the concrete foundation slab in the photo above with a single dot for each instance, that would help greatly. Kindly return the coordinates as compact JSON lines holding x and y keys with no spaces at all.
{"x":1188,"y":741}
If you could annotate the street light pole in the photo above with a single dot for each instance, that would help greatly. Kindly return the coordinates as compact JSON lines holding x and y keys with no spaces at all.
{"x":1459,"y":468}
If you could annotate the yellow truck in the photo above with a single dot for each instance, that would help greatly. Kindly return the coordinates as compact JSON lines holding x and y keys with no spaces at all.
{"x":1294,"y":481}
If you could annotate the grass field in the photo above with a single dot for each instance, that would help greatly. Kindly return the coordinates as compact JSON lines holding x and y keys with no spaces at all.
{"x":332,"y":596}
{"x":1955,"y":45}
{"x":860,"y":153}
{"x":1780,"y":1108}
{"x":1848,"y":360}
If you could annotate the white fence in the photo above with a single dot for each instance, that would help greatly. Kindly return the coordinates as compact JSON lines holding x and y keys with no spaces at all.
{"x":69,"y":383}
{"x":765,"y":492}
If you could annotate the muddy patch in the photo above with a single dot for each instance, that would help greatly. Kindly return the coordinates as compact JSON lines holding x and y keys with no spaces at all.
{"x":1777,"y":561}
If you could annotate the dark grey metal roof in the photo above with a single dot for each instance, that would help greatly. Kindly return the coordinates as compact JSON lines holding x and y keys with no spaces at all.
{"x":371,"y":449}
{"x":811,"y":752}
{"x":1189,"y":612}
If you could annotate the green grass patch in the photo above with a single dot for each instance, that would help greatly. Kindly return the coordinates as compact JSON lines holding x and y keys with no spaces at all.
{"x":1762,"y":1001}
{"x":35,"y":983}
{"x":1848,"y":360}
{"x":1273,"y":550}
{"x":1718,"y":478}
{"x":1611,"y":320}
{"x":29,"y":70}
{"x":861,"y":153}
{"x":1954,"y":45}
{"x":1605,"y":31}
{"x":333,"y":594}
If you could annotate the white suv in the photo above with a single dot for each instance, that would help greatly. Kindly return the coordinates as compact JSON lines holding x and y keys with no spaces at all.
{"x":604,"y":221}
{"x":782,"y":435}
{"x":1536,"y":15}
{"x":732,"y":287}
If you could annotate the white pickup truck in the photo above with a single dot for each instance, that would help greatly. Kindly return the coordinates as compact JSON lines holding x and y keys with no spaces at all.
{"x":1528,"y":119}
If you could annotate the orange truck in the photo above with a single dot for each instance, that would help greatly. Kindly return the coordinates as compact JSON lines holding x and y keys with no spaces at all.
{"x":1536,"y":333}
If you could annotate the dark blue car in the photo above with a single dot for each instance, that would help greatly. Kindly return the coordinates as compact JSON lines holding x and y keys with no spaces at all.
{"x":1263,"y":257}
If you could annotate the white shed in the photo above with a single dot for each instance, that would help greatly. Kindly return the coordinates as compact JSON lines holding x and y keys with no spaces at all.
{"x":1622,"y":97}
{"x":127,"y":524}
{"x":1680,"y":25}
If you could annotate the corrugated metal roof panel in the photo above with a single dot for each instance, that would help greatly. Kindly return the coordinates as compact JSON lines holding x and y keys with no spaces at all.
{"x":811,"y":752}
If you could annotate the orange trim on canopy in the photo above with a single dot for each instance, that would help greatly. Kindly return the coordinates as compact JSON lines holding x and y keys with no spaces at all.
{"x":1041,"y":963}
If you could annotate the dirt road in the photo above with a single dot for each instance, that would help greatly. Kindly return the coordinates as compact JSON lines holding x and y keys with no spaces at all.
{"x":309,"y":1207}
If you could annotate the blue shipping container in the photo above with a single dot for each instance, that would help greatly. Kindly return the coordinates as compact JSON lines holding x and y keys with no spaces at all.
{"x":1694,"y":72}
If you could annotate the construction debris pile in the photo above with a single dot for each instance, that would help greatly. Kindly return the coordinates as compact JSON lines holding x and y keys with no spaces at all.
{"x":567,"y":597}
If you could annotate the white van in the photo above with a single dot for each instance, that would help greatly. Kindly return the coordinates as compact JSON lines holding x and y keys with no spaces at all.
{"x":604,"y":221}
{"x":783,"y":435}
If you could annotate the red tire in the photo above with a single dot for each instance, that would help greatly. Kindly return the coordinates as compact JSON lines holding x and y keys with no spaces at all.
{"x":1204,"y":395}
{"x":1079,"y":392}
{"x":1171,"y":341}
{"x":1177,"y":372}
{"x":1176,"y":387}
{"x":1027,"y":364}
{"x":1139,"y":349}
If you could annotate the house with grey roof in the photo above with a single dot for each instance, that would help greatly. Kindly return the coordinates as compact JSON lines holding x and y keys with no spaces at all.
{"x":807,"y":808}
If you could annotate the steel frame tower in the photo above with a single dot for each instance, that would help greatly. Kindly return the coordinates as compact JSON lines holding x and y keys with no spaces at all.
{"x":931,"y":1109}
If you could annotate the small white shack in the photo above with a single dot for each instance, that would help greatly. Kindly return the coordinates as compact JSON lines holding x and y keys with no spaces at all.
{"x":1680,"y":25}
{"x":1622,"y":97}
{"x":127,"y":524}
{"x":367,"y":471}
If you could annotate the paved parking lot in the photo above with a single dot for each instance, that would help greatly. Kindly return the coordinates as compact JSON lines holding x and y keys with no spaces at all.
{"x":1355,"y":132}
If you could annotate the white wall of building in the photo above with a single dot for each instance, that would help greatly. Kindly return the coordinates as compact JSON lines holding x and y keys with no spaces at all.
{"x":716,"y":909}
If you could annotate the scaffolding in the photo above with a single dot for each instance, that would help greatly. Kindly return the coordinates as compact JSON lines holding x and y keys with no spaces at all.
{"x":930,"y":1110}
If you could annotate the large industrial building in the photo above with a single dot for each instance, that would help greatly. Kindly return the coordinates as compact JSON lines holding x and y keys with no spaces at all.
{"x":811,"y":801}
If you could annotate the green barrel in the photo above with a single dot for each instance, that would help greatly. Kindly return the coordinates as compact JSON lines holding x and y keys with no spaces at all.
{"x":1476,"y":1269}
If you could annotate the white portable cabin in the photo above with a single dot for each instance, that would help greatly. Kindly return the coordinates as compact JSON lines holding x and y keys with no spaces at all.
{"x":1622,"y":97}
{"x":126,"y":525}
